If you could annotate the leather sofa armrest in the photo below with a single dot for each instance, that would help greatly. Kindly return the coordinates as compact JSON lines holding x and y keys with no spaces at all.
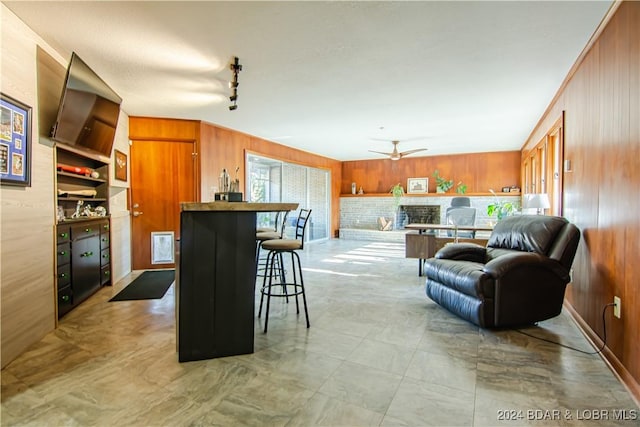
{"x":463,"y":252}
{"x":502,"y":265}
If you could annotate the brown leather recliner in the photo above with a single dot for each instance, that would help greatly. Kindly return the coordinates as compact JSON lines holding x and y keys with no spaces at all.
{"x":519,"y":278}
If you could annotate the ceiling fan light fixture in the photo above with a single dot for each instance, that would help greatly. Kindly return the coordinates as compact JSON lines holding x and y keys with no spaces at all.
{"x":397,"y":155}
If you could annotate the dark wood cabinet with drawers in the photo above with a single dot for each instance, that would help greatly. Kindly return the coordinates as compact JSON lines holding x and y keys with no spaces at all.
{"x":83,"y":261}
{"x":83,"y":243}
{"x":63,"y":270}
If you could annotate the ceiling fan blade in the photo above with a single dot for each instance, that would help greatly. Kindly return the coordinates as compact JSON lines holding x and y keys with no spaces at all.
{"x":406,"y":153}
{"x":380,"y":152}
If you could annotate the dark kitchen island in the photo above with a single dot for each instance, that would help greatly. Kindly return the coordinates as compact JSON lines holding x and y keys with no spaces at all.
{"x":215,"y":278}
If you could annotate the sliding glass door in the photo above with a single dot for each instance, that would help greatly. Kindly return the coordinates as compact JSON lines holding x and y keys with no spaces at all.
{"x":270,"y":180}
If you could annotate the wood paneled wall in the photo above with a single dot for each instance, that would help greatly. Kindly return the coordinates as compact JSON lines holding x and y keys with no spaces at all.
{"x":27,"y":213}
{"x":479,"y":171}
{"x":163,"y":129}
{"x":225,"y":148}
{"x":222,"y":148}
{"x":601,"y":100}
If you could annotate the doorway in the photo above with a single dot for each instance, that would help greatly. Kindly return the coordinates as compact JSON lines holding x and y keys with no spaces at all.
{"x":162,"y":175}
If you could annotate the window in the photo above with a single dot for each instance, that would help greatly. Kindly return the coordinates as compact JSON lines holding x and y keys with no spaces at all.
{"x":542,"y":167}
{"x":270,"y":180}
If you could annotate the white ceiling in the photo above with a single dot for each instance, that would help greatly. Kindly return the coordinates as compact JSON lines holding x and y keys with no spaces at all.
{"x":333,"y":78}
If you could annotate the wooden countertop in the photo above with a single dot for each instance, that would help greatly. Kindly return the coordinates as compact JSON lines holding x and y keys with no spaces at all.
{"x":237,"y":206}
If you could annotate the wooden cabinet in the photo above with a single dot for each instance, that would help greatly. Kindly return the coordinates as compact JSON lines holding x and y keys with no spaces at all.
{"x":63,"y":269}
{"x":105,"y":255}
{"x":83,"y":254}
{"x":83,"y":261}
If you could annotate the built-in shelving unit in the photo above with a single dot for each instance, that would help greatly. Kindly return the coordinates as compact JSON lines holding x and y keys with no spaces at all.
{"x":82,"y":242}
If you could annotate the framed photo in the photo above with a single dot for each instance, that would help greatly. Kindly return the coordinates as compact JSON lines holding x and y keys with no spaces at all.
{"x":121,"y":165}
{"x":417,"y":185}
{"x":15,"y":142}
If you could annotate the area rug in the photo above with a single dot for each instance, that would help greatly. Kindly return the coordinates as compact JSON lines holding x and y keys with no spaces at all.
{"x":149,"y":285}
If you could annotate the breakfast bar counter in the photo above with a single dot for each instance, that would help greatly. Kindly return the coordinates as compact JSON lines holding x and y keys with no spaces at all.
{"x":215,"y":278}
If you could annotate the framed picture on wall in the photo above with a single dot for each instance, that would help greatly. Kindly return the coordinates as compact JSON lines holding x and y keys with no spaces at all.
{"x":15,"y":142}
{"x":417,"y":185}
{"x":121,"y":165}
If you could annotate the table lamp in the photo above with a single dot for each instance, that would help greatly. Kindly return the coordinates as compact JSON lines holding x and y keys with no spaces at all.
{"x":538,"y":201}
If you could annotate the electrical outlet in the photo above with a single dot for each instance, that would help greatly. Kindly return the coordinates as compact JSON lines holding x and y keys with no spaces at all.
{"x":617,"y":309}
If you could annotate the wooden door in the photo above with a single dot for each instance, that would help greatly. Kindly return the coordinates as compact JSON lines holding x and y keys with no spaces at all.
{"x":162,"y":175}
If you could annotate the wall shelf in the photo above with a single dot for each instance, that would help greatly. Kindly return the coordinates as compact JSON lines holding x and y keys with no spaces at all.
{"x":499,"y":194}
{"x":84,"y":199}
{"x":80,"y":177}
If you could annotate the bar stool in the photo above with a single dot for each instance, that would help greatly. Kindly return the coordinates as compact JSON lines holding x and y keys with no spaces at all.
{"x":276,"y":222}
{"x":283,"y":288}
{"x":270,"y":234}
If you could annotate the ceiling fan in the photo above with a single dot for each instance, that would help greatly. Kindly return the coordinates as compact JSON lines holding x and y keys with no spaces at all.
{"x":397,"y":155}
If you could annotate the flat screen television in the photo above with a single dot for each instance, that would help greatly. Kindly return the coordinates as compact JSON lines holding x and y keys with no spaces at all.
{"x":88,"y":111}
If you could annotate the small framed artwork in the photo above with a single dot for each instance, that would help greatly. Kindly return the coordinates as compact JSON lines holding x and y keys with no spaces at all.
{"x":15,"y":142}
{"x":417,"y":185}
{"x":121,"y":165}
{"x":162,"y":251}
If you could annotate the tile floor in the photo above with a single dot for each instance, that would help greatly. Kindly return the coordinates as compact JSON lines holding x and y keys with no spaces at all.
{"x":378,"y":352}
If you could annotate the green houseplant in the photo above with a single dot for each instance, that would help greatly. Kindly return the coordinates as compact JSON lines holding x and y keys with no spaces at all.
{"x":500,"y":208}
{"x":461,"y":188}
{"x":442,"y":185}
{"x":397,"y":191}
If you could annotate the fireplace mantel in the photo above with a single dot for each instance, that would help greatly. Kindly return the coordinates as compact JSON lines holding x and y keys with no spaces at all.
{"x":361,"y":212}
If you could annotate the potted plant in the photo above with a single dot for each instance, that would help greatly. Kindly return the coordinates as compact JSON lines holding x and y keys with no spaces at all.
{"x":397,"y":191}
{"x":500,"y":208}
{"x":461,"y":188}
{"x":442,"y":185}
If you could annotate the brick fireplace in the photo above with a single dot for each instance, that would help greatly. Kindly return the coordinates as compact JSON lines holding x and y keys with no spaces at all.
{"x":424,"y":214}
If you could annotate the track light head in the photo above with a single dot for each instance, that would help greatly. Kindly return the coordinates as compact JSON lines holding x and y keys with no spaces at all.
{"x":233,"y":84}
{"x":235,"y":65}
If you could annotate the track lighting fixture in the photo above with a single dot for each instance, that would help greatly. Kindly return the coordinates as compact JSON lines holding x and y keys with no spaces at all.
{"x":235,"y":68}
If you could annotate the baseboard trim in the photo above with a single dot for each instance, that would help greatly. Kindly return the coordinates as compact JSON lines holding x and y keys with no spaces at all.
{"x":607,"y":355}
